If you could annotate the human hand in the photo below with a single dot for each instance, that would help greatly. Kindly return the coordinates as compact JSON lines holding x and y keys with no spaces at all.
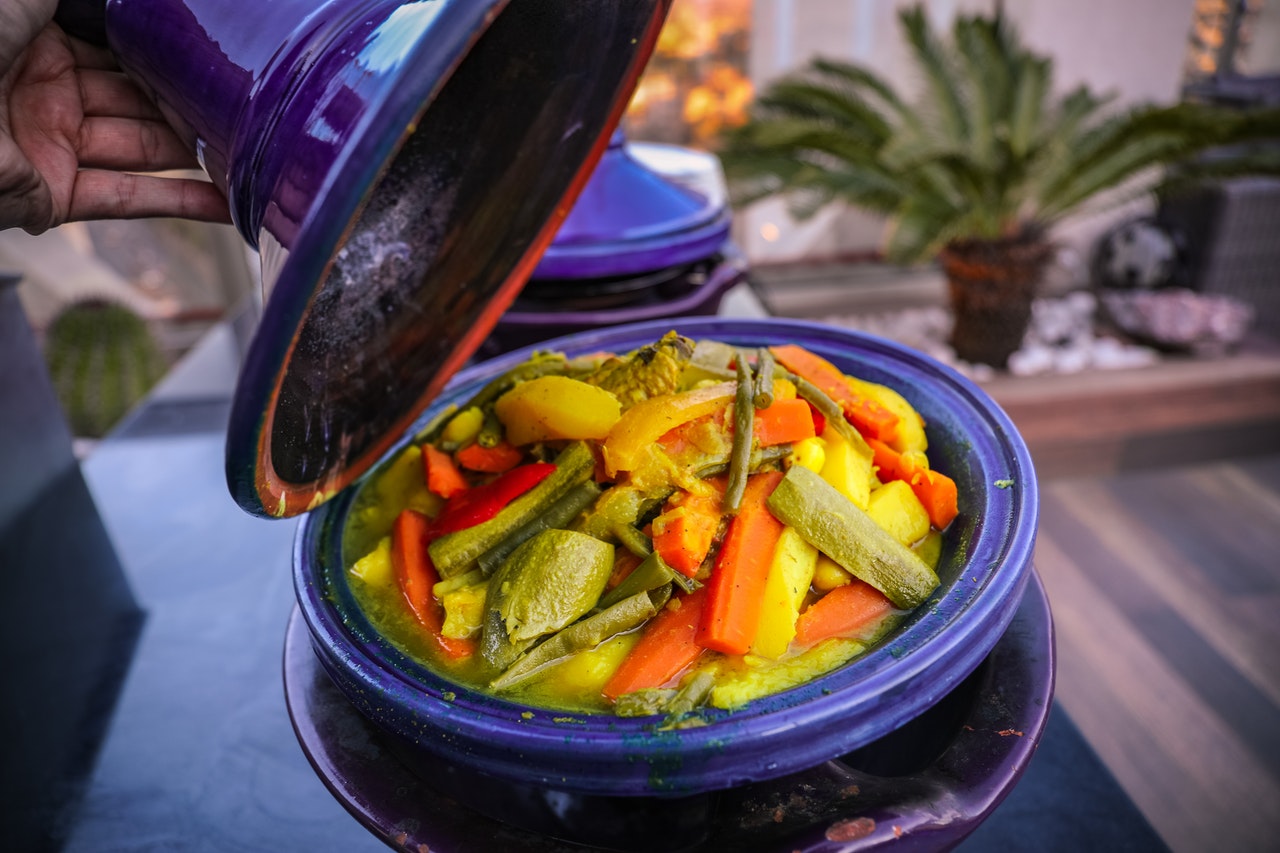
{"x":74,"y":131}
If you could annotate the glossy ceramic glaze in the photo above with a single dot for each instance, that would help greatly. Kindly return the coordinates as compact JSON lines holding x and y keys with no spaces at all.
{"x":924,"y":786}
{"x":629,"y":219}
{"x":400,"y":165}
{"x":985,"y":565}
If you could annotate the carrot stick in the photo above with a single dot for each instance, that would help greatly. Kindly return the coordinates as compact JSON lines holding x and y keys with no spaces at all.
{"x":842,"y":612}
{"x":784,"y":422}
{"x":742,"y":567}
{"x":489,"y":460}
{"x":937,"y":492}
{"x":688,"y":525}
{"x":443,"y":477}
{"x":416,"y":575}
{"x":872,"y":419}
{"x":666,"y":648}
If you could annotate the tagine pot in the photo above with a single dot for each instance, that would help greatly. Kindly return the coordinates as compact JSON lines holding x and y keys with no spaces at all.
{"x":984,"y":569}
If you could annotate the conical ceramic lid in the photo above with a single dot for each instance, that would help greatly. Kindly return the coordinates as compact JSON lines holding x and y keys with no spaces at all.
{"x":631,"y":219}
{"x":405,"y":190}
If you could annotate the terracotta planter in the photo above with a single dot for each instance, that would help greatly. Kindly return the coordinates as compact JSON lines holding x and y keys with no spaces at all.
{"x":992,"y":284}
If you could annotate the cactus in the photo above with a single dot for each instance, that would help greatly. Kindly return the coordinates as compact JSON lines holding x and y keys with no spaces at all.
{"x":102,"y":359}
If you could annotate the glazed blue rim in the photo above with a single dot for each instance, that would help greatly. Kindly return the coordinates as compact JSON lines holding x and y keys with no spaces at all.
{"x":935,"y":648}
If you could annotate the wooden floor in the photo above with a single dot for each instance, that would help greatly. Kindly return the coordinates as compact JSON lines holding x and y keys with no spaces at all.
{"x":1165,"y":588}
{"x":1159,"y":545}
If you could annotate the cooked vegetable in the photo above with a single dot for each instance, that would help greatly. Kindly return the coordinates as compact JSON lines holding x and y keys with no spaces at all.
{"x":736,"y":687}
{"x":783,"y":422}
{"x":666,"y":647}
{"x":867,"y":414}
{"x":580,"y":636}
{"x":651,"y":371}
{"x":685,"y":531}
{"x":555,"y":516}
{"x":548,"y":582}
{"x":738,"y":579}
{"x":640,"y":427}
{"x":831,"y":523}
{"x":937,"y":492}
{"x":744,"y":413}
{"x":896,"y":508}
{"x":481,"y":503}
{"x":443,"y":477}
{"x":416,"y":576}
{"x":790,"y":574}
{"x":552,"y":408}
{"x":489,"y":460}
{"x":846,"y":611}
{"x":695,"y":541}
{"x":457,"y":552}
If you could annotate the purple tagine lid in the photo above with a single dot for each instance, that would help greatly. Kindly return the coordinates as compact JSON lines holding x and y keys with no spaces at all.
{"x":630,"y":219}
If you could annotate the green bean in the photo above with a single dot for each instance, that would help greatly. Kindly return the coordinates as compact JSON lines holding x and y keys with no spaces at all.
{"x":644,"y":703}
{"x":491,"y":432}
{"x":743,"y":423}
{"x":632,"y":539}
{"x":557,"y":515}
{"x":760,"y":457}
{"x":764,"y":378}
{"x":650,"y":574}
{"x":456,"y":553}
{"x":579,"y":637}
{"x":693,"y":692}
{"x":830,"y":410}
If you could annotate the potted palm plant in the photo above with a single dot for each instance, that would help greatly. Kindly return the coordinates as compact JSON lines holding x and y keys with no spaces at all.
{"x":978,"y":169}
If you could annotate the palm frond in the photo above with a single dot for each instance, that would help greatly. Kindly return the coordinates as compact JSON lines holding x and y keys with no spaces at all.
{"x":940,"y":74}
{"x":985,"y":152}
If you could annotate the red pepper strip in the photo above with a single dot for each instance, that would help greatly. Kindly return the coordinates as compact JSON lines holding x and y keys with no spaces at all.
{"x":490,"y":460}
{"x":819,"y":420}
{"x":481,"y":503}
{"x":442,"y":475}
{"x":936,"y":491}
{"x":737,"y":582}
{"x":416,"y":576}
{"x":872,"y":419}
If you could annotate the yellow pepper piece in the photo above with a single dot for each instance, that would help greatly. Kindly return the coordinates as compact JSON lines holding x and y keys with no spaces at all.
{"x":895,"y":507}
{"x":790,"y":574}
{"x":556,"y":407}
{"x":647,"y":421}
{"x":910,"y":432}
{"x":375,"y":568}
{"x":849,"y":471}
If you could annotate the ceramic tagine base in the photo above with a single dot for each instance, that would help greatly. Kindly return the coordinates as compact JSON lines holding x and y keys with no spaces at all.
{"x":925,"y":786}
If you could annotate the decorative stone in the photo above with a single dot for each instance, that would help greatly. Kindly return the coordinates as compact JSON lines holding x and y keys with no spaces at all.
{"x":1060,"y":339}
{"x":1180,"y":319}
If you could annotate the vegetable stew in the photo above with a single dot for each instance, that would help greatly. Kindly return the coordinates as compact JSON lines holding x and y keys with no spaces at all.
{"x":689,"y":524}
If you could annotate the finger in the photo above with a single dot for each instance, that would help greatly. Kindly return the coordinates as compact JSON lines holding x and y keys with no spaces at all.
{"x":129,"y":144}
{"x":110,"y":93}
{"x":99,"y":194}
{"x":91,"y":56}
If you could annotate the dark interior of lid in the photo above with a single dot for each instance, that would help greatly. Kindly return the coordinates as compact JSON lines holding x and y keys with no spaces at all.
{"x":460,"y":206}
